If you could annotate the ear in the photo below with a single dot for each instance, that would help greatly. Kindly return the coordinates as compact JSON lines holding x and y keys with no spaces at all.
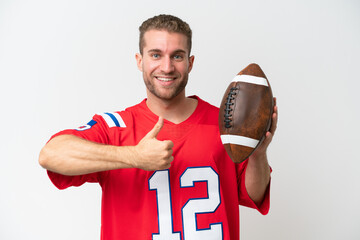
{"x":191,"y":62}
{"x":138,"y":58}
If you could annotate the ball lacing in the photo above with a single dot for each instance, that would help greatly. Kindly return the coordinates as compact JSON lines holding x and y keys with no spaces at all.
{"x":228,"y":109}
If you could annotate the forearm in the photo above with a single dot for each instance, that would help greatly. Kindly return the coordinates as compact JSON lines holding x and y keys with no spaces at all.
{"x":71,"y":155}
{"x":257,"y":177}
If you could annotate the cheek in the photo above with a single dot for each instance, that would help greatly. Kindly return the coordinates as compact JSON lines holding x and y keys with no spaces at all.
{"x":184,"y":68}
{"x":149,"y":67}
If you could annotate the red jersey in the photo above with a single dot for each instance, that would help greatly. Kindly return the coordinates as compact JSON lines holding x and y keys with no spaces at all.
{"x":198,"y":197}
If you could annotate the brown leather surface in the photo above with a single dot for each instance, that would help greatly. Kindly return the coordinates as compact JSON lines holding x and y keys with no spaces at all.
{"x":251,"y":112}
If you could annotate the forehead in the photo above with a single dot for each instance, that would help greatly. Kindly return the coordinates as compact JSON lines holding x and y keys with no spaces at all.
{"x":165,"y":41}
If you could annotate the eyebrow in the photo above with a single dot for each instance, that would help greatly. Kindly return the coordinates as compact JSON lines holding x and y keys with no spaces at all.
{"x":156,"y":50}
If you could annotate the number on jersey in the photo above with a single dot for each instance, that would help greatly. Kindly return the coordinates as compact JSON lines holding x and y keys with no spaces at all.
{"x":160,"y":182}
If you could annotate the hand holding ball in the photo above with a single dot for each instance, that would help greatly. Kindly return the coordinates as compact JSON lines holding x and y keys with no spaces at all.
{"x":245,"y":113}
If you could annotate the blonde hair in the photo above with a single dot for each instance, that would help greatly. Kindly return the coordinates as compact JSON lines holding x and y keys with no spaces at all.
{"x":169,"y":23}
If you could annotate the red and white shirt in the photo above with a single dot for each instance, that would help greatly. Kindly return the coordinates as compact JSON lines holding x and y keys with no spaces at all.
{"x":198,"y":197}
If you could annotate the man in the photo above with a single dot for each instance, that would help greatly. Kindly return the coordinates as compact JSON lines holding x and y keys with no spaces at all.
{"x":161,"y":165}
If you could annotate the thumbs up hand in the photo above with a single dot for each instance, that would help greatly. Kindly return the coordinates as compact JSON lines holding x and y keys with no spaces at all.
{"x":152,"y":154}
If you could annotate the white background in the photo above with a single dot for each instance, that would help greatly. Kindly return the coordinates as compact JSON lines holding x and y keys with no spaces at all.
{"x":63,"y":61}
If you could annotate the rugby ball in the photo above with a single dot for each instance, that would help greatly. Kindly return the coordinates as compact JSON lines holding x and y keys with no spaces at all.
{"x":245,"y":113}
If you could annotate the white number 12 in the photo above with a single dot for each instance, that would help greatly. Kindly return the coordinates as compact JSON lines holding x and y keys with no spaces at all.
{"x":160,"y":182}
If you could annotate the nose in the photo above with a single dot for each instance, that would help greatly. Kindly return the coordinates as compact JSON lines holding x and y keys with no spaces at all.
{"x":167,"y":65}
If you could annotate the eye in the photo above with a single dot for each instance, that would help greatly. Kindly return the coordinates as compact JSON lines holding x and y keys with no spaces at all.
{"x":155,"y":55}
{"x":178,"y":57}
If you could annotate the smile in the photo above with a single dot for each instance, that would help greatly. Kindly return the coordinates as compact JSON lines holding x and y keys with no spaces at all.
{"x":165,"y":79}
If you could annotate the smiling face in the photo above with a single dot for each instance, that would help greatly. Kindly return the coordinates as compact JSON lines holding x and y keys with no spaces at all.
{"x":165,"y":64}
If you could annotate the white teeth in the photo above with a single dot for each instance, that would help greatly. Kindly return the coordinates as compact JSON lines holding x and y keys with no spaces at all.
{"x":164,"y":79}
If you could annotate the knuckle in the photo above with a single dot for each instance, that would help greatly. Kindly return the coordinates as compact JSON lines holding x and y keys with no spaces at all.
{"x":163,"y":154}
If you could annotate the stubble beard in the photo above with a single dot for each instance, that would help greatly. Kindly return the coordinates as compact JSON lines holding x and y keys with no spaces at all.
{"x":171,"y":91}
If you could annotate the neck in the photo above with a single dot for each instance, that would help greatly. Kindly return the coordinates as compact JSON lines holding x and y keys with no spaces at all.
{"x":175,"y":110}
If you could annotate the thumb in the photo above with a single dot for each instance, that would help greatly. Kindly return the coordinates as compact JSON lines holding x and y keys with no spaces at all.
{"x":156,"y":129}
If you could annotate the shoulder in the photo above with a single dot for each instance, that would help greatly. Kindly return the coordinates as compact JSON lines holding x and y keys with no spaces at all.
{"x":111,"y":119}
{"x":119,"y":119}
{"x":206,"y":105}
{"x":209,"y":111}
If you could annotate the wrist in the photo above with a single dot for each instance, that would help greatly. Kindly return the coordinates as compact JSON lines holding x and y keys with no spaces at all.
{"x":130,"y":155}
{"x":258,"y":156}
